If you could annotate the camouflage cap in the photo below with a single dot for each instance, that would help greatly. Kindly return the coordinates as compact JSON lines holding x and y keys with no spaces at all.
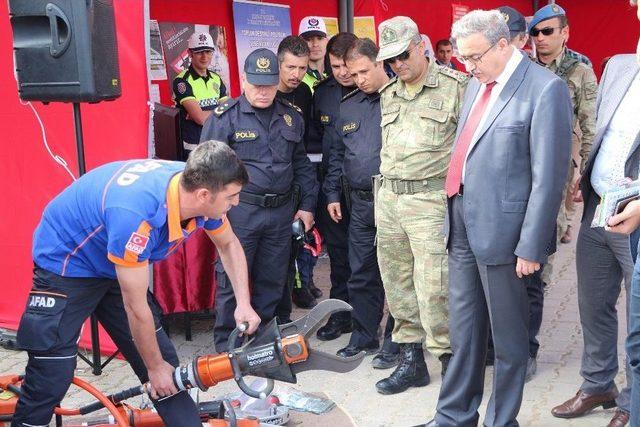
{"x":395,"y":35}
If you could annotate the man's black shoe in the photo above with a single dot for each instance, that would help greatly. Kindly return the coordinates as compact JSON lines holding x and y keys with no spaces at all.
{"x":352,"y":350}
{"x":315,"y":291}
{"x":385,"y":359}
{"x":302,"y":298}
{"x":334,"y":328}
{"x":411,"y":372}
{"x":444,"y":359}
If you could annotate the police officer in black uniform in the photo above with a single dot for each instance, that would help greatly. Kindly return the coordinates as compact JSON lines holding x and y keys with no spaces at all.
{"x":267,"y":134}
{"x":326,"y":110}
{"x":356,"y":156}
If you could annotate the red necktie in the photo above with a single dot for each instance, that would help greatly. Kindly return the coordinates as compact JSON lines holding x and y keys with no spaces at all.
{"x":454,"y":175}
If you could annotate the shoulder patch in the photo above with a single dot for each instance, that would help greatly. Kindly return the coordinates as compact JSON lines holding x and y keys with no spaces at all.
{"x":458,"y":75}
{"x":580,"y":57}
{"x":321,"y":81}
{"x":389,"y":83}
{"x":349,"y":95}
{"x":224,"y":104}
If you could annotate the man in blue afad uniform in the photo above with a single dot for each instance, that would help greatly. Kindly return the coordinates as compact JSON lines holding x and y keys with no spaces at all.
{"x":92,"y":251}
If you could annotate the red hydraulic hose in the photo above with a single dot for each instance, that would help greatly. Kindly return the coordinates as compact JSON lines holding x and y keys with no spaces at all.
{"x":117,"y":415}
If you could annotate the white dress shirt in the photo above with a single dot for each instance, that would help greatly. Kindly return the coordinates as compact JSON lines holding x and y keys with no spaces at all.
{"x":608,"y":168}
{"x":501,"y":81}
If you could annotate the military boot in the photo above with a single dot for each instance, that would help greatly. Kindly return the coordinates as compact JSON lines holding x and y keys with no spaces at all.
{"x":411,"y":371}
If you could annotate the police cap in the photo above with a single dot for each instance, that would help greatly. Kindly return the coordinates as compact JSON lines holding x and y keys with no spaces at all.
{"x":261,"y":68}
{"x":515,"y":20}
{"x":547,"y":12}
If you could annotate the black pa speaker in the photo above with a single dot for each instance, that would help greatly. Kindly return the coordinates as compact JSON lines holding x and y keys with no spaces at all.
{"x":65,"y":50}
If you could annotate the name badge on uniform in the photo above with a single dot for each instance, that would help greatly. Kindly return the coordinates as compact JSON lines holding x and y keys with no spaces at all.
{"x":245,"y":135}
{"x":350,"y":127}
{"x":325,"y":119}
{"x":436,"y":104}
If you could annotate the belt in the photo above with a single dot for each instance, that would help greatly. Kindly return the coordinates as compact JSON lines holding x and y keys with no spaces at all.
{"x":188,"y":146}
{"x":266,"y":200}
{"x":402,"y":186}
{"x":366,"y":195}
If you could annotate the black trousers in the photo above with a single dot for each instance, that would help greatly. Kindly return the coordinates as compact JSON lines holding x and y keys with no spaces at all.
{"x":366,"y":293}
{"x":335,"y":237}
{"x":49,"y":329}
{"x":265,"y":235}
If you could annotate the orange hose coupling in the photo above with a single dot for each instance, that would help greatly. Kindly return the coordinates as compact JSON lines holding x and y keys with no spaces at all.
{"x":204,"y":372}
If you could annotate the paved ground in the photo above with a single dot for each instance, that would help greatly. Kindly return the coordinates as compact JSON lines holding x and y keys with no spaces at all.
{"x":556,"y":381}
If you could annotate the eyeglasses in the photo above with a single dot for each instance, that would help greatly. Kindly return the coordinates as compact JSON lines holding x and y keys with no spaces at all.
{"x":475,"y":60}
{"x":402,"y":57}
{"x":546,"y":31}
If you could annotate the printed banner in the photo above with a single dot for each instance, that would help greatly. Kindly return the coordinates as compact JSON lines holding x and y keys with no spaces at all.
{"x":157,"y":69}
{"x":459,"y":10}
{"x":175,"y":35}
{"x":259,"y":25}
{"x":365,"y":26}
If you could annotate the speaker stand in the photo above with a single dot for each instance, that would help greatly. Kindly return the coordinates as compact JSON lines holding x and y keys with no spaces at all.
{"x":96,"y":362}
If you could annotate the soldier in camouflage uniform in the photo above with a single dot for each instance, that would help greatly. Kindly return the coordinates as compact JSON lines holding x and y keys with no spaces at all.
{"x":549,"y":30}
{"x":419,"y":117}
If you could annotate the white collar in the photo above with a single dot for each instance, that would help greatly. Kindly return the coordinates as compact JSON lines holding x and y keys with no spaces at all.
{"x":510,"y":68}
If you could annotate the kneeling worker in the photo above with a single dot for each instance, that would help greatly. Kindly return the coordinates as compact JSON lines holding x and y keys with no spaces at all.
{"x":92,"y":251}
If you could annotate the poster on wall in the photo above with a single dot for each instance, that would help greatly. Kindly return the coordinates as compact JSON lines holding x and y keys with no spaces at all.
{"x":259,"y":25}
{"x":332,"y":25}
{"x":459,"y":10}
{"x":365,"y":26}
{"x":174,"y":37}
{"x":157,"y":70}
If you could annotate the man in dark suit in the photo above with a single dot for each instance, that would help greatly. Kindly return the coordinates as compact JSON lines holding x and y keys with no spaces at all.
{"x":504,"y":188}
{"x":603,"y":257}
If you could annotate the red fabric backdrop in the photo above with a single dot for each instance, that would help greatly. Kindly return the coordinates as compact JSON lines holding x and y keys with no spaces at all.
{"x":112,"y":131}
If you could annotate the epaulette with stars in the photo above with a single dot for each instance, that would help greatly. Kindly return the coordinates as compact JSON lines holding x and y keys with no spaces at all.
{"x":389,"y":83}
{"x":349,"y":95}
{"x":290,"y":104}
{"x":224,"y":104}
{"x":458,"y":75}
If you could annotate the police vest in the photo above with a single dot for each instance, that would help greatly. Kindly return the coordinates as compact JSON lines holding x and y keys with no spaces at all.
{"x":206,"y":91}
{"x":310,"y":80}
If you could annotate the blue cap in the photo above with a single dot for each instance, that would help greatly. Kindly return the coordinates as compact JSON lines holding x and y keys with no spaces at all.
{"x":261,"y":68}
{"x":547,"y":12}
